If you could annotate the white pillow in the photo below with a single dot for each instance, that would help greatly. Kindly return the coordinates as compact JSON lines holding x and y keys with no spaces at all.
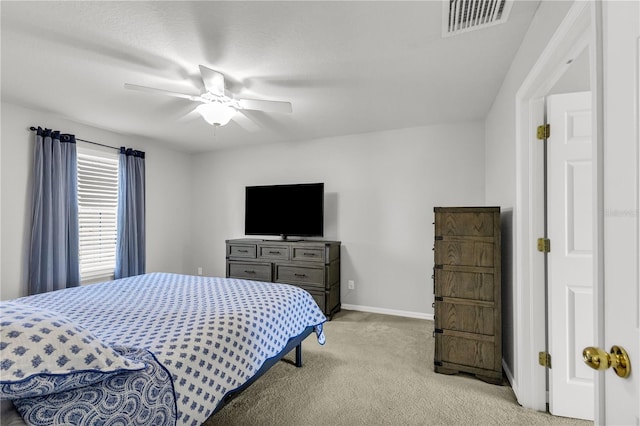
{"x":43,"y":352}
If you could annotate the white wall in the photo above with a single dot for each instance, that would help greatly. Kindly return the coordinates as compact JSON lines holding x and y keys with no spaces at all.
{"x":576,"y":78}
{"x":500,"y":156}
{"x":380,"y":192}
{"x":168,"y":196}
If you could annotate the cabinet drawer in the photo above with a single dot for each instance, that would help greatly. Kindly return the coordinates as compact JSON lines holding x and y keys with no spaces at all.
{"x":273,"y":252}
{"x":465,"y":317}
{"x":464,"y":253}
{"x":241,"y":250}
{"x":471,"y":224}
{"x":308,"y":254}
{"x":464,"y":285}
{"x":249,"y":270}
{"x":465,"y":351}
{"x":300,"y":275}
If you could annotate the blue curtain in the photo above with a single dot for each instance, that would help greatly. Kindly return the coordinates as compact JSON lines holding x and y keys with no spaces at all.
{"x":53,"y":249}
{"x":130,"y":243}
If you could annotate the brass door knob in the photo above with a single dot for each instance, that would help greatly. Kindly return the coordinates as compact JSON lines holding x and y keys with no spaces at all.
{"x":617,"y":358}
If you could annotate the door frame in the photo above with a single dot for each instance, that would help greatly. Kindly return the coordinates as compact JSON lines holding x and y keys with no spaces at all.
{"x":579,"y":30}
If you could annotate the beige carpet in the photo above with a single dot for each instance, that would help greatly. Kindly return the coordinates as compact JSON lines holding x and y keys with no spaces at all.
{"x":375,"y":370}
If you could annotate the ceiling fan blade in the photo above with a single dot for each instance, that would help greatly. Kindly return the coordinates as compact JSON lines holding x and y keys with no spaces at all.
{"x":213,"y":80}
{"x":246,"y":122}
{"x":190,"y":116}
{"x":267,"y":106}
{"x":161,"y":91}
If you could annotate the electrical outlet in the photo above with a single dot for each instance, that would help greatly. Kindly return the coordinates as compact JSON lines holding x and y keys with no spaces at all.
{"x":351,"y":284}
{"x":199,"y":270}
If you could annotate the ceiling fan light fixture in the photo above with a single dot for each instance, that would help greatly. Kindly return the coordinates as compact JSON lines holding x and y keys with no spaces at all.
{"x":216,"y":106}
{"x":216,"y":113}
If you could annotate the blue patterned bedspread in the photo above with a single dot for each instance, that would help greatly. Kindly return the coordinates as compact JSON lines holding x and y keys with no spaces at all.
{"x":134,"y":398}
{"x":212,"y":334}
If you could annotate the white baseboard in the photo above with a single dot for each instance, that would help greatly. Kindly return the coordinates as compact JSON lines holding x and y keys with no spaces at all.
{"x":408,"y":314}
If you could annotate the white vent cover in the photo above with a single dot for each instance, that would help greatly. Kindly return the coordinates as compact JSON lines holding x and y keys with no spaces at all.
{"x":461,"y":16}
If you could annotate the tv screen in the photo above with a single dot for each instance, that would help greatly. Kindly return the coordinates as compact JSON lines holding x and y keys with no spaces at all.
{"x":285,"y":210}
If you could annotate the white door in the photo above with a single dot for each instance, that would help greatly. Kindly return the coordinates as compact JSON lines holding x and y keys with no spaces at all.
{"x":570,"y":261}
{"x":618,"y":399}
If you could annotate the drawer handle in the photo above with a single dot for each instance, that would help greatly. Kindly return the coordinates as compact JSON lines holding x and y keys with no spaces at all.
{"x":309,"y":254}
{"x":243,"y":251}
{"x":300,"y":275}
{"x":274,"y":252}
{"x":249,"y":272}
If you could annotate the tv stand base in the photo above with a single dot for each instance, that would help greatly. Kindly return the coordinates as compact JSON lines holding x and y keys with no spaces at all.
{"x":313,"y":265}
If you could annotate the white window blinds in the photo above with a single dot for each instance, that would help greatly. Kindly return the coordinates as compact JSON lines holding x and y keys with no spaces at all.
{"x":97,"y":212}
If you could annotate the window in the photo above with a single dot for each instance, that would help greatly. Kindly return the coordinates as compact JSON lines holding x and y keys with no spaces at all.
{"x":97,"y":213}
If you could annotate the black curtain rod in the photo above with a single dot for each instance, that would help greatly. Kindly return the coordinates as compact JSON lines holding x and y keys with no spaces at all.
{"x":33,"y":129}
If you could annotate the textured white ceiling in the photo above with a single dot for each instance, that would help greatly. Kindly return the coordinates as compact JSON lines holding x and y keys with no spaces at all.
{"x":347,"y":67}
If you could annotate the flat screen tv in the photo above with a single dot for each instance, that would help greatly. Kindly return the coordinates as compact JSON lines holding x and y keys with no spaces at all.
{"x":286,"y":210}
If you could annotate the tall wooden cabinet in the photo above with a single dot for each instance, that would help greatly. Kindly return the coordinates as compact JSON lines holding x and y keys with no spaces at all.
{"x":467,"y":290}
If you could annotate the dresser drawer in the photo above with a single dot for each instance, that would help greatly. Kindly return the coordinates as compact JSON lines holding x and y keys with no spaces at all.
{"x":464,"y":285}
{"x":471,"y":224}
{"x":308,"y":254}
{"x":300,"y":275}
{"x":273,"y":252}
{"x":249,"y":270}
{"x":465,"y":317}
{"x":241,"y":250}
{"x":465,"y":351}
{"x":464,"y":253}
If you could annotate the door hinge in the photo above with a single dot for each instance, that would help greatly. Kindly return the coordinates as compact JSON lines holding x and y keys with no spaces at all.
{"x":543,"y":132}
{"x":544,"y":245}
{"x":544,"y":359}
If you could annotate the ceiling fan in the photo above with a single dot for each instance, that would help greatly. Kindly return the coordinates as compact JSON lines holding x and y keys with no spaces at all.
{"x":218,"y":106}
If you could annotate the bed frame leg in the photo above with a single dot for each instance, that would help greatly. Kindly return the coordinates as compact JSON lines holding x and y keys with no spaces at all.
{"x":299,"y":355}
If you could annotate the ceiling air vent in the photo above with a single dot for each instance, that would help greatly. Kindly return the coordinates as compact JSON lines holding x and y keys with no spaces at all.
{"x":461,"y":16}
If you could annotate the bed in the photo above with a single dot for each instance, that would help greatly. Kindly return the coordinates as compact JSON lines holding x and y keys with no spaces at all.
{"x":152,"y":349}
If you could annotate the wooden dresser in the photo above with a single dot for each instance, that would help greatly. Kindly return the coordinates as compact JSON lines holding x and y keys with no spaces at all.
{"x":467,"y":290}
{"x":312,"y":265}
